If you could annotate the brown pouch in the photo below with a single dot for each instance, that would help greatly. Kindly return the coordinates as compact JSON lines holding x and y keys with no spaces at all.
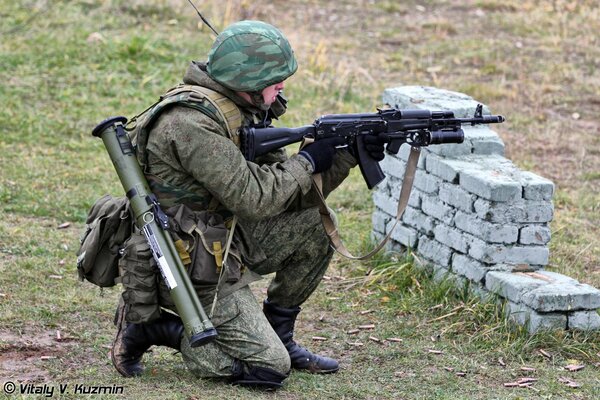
{"x":205,"y":235}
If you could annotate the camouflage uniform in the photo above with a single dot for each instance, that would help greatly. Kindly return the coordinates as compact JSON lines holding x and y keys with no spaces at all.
{"x":279,"y":224}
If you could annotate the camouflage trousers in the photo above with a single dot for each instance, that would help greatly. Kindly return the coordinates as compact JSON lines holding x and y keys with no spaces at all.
{"x":298,"y":253}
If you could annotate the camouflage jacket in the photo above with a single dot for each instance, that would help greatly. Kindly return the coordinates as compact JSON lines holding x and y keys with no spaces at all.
{"x":189,"y":150}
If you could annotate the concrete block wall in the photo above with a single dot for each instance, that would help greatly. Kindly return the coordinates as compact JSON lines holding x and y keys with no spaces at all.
{"x":475,"y":216}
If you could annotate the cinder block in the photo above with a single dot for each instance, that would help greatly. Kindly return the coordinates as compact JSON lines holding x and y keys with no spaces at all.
{"x":563,"y":297}
{"x":490,"y":185}
{"x":434,"y":251}
{"x":456,"y":197}
{"x":469,"y":268}
{"x":446,"y":169}
{"x":510,"y":254}
{"x":405,"y":236}
{"x":393,"y":166}
{"x":534,"y":234}
{"x":535,"y":187}
{"x":487,"y":231}
{"x":379,"y":220}
{"x":418,"y":220}
{"x":427,"y":183}
{"x":432,"y":206}
{"x":535,"y":321}
{"x":511,"y":286}
{"x":452,"y":238}
{"x":584,"y":320}
{"x":431,"y":98}
{"x":514,"y":212}
{"x":483,"y":140}
{"x":385,"y":204}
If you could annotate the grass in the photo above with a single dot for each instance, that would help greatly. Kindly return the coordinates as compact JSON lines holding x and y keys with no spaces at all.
{"x":65,"y":66}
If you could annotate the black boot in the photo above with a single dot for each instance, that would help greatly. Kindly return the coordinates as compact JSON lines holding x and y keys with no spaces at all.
{"x":133,"y":340}
{"x":282,"y":320}
{"x":257,"y":377}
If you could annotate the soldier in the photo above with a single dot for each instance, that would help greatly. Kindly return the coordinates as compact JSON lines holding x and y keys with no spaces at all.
{"x":188,"y":146}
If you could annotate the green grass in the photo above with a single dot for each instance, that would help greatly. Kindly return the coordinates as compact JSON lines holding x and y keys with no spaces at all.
{"x":65,"y":66}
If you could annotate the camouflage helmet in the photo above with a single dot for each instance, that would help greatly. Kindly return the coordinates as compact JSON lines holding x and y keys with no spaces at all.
{"x":248,"y":56}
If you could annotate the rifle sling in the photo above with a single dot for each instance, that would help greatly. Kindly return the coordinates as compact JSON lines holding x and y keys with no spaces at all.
{"x":328,"y":220}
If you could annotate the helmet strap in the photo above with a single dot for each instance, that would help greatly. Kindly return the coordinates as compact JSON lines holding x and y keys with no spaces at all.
{"x":258,"y":100}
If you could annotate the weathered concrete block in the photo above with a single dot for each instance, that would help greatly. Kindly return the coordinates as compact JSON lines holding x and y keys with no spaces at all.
{"x":451,"y":237}
{"x":456,"y":197}
{"x":562,"y":297}
{"x":534,"y":234}
{"x":393,"y":166}
{"x":385,"y":203}
{"x":418,"y":220}
{"x":379,"y":221}
{"x":469,"y":268}
{"x":434,"y":251}
{"x":405,"y":236}
{"x":495,"y":233}
{"x":430,"y":98}
{"x":515,"y":211}
{"x":511,"y":285}
{"x":535,"y":187}
{"x":510,"y":254}
{"x":447,"y":169}
{"x":432,"y":206}
{"x":483,"y":140}
{"x":584,"y":320}
{"x":490,"y":185}
{"x":535,"y":321}
{"x":427,"y":183}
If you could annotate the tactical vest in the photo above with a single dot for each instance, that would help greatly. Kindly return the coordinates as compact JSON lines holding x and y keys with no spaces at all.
{"x":209,"y":102}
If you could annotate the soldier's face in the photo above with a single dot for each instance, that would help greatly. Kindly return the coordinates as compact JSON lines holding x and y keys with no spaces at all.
{"x":270,"y":93}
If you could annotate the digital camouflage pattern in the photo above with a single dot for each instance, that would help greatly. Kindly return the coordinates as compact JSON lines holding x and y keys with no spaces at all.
{"x":248,"y":56}
{"x":279,"y":229}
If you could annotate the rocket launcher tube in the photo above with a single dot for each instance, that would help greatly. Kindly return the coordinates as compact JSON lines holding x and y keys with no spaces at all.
{"x":153,"y":222}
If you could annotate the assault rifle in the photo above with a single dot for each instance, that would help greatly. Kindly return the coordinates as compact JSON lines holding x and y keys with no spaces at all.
{"x":415,"y":127}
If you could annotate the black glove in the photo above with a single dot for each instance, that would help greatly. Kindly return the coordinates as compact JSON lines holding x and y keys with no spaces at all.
{"x":320,"y":153}
{"x":374,"y":144}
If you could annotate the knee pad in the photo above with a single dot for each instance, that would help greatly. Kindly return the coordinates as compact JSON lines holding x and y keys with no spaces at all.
{"x":259,"y":377}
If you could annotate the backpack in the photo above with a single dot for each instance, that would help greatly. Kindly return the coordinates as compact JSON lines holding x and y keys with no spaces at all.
{"x":108,"y":226}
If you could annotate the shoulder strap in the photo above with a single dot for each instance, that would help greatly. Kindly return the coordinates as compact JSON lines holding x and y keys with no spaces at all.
{"x":210,"y":102}
{"x":229,"y":113}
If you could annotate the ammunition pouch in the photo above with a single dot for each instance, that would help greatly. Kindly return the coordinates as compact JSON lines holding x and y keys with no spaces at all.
{"x":200,"y":238}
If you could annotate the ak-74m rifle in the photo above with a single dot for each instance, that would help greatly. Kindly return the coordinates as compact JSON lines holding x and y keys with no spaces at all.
{"x":416,"y":128}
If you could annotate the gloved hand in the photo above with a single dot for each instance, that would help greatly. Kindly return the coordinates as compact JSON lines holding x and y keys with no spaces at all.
{"x":320,"y":153}
{"x":374,"y":144}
